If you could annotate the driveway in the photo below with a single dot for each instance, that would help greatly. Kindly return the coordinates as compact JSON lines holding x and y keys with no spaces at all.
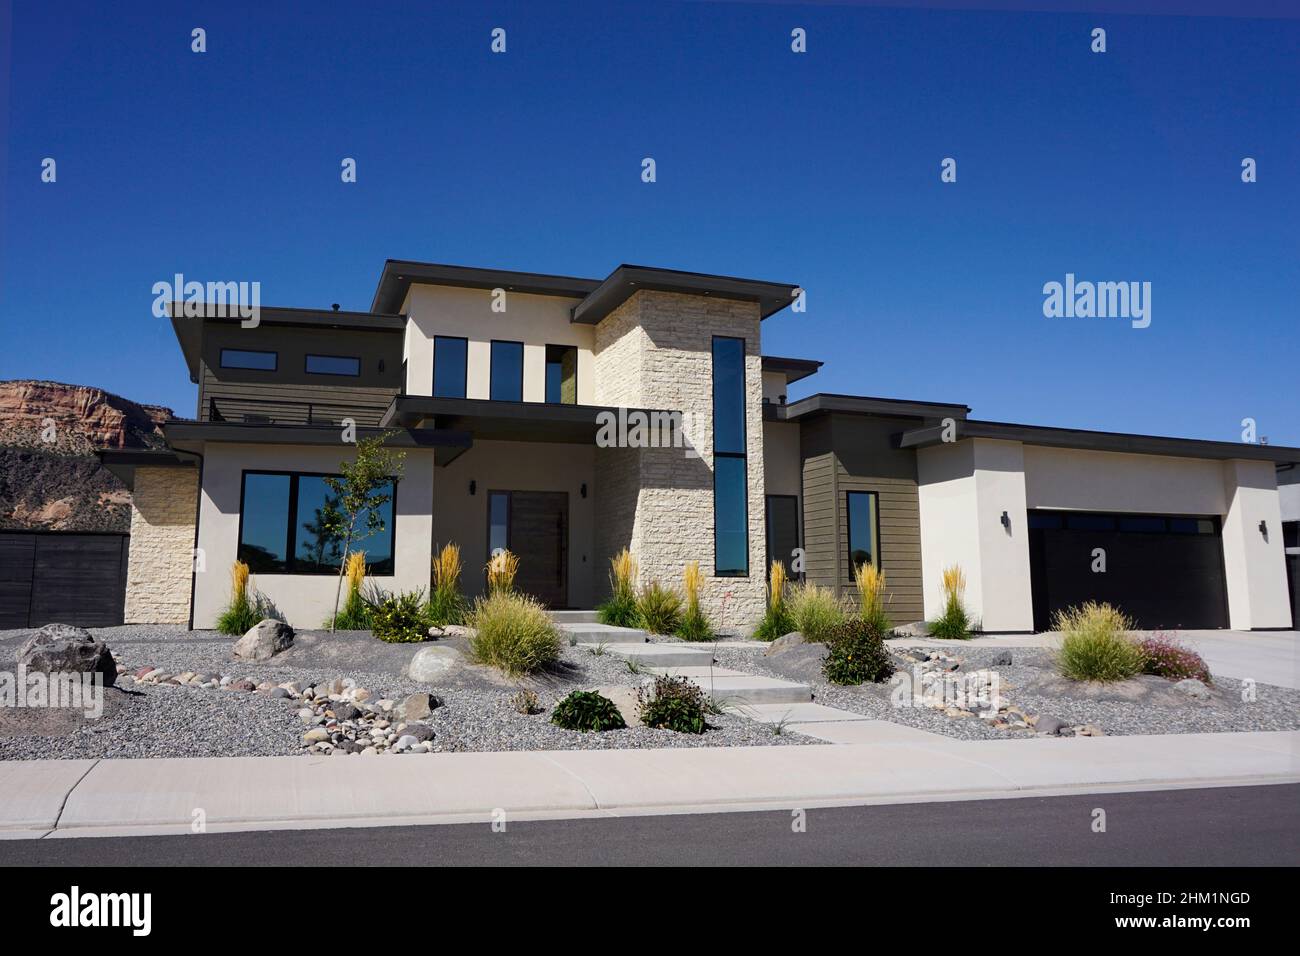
{"x":1267,"y":657}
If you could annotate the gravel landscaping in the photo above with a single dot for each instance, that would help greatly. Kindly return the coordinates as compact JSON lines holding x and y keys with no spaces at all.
{"x":144,"y":719}
{"x":1145,"y":705}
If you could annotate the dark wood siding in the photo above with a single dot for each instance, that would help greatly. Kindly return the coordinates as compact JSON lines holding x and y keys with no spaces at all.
{"x":69,"y":578}
{"x":843,"y":453}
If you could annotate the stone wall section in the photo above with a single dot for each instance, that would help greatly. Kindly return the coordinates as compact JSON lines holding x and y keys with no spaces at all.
{"x":158,"y":578}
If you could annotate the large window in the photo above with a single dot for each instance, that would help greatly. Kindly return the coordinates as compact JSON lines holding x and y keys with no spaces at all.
{"x":333,"y":365}
{"x":244,"y":358}
{"x":282,"y":526}
{"x":561,"y":375}
{"x":450,"y":366}
{"x":864,"y":529}
{"x":730,"y":478}
{"x":783,"y":531}
{"x":507,"y":381}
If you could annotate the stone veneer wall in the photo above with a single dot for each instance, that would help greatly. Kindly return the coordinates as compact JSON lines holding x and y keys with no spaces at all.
{"x":158,"y":578}
{"x":655,"y":352}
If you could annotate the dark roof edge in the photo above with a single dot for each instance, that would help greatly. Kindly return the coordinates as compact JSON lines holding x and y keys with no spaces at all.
{"x":795,"y":369}
{"x":123,"y":462}
{"x":625,"y":281}
{"x":824,"y":403}
{"x":1122,"y":442}
{"x":398,"y":274}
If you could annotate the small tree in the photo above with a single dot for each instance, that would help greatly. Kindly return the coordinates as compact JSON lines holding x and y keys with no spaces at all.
{"x":352,"y":513}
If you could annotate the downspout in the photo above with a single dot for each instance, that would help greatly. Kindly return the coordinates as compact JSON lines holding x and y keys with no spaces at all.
{"x":194,"y":573}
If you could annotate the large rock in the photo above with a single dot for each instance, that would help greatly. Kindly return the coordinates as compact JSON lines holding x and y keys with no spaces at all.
{"x":64,"y":649}
{"x":435,"y":663}
{"x":415,"y":707}
{"x":784,"y":643}
{"x":1193,"y":688}
{"x":1050,"y":725}
{"x":264,"y":640}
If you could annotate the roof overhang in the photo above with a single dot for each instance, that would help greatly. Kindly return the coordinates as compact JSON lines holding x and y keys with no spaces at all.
{"x":123,"y":462}
{"x":626,"y":281}
{"x":824,"y":404}
{"x":192,"y":436}
{"x":511,"y":421}
{"x":793,"y":369}
{"x":398,"y":275}
{"x":189,"y":328}
{"x":931,"y":435}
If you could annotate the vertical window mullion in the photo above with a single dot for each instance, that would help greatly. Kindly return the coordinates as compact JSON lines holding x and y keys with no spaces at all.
{"x":291,"y":529}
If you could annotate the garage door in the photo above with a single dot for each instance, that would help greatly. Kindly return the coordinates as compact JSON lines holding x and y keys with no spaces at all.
{"x":1164,"y":571}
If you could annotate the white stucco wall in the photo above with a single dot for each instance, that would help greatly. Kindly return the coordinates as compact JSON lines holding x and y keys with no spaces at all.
{"x":461,"y":518}
{"x":535,"y":320}
{"x":1078,"y":480}
{"x":304,"y":600}
{"x":1253,"y":561}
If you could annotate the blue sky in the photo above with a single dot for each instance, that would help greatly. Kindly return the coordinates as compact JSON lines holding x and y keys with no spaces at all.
{"x":819,"y":169}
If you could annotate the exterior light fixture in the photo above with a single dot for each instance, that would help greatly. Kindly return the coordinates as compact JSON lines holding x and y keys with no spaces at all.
{"x":1263,"y":528}
{"x":1006,"y":521}
{"x":473,"y":486}
{"x":583,"y":489}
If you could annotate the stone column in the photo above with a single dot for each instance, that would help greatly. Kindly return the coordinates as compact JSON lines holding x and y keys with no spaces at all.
{"x":158,"y":579}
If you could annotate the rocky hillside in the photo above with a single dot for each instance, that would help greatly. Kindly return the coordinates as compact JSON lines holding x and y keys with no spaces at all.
{"x":48,"y":477}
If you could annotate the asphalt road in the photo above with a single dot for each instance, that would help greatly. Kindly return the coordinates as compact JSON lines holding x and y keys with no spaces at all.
{"x":1239,"y":826}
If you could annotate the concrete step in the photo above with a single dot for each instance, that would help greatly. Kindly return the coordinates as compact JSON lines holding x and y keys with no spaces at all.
{"x":574,"y":617}
{"x":732,"y":689}
{"x":663,"y":656}
{"x":582,"y":633}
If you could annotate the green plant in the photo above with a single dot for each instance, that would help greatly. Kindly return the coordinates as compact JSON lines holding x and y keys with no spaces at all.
{"x":777,"y":619}
{"x":355,"y":510}
{"x":587,"y":710}
{"x":1096,"y":644}
{"x":620,"y":609}
{"x":635,"y":665}
{"x":815,"y":611}
{"x":355,"y":615}
{"x":856,"y":653}
{"x":525,"y":702}
{"x":673,"y":703}
{"x":397,"y":618}
{"x":242,"y":612}
{"x":870,"y":582}
{"x":694,"y":625}
{"x":513,"y":633}
{"x":598,"y":650}
{"x":659,"y":609}
{"x":954,"y":623}
{"x":1163,"y":656}
{"x":501,"y":570}
{"x":446,"y":603}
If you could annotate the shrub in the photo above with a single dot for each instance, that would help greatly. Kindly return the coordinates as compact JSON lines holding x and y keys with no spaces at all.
{"x":695,"y":625}
{"x":1163,"y":656}
{"x":355,"y":615}
{"x":513,"y":634}
{"x":1096,"y":644}
{"x":525,"y":702}
{"x":397,"y":618}
{"x":857,"y":653}
{"x":954,"y":623}
{"x":777,"y":619}
{"x":815,"y":611}
{"x":870,"y":582}
{"x":501,"y":570}
{"x":446,"y":603}
{"x":673,"y":703}
{"x":659,"y":609}
{"x":242,"y":612}
{"x":620,"y":609}
{"x":587,"y":710}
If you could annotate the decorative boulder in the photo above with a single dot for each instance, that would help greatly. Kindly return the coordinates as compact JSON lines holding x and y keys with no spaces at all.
{"x":1050,"y":726}
{"x":62,"y":648}
{"x":784,"y":643}
{"x":432,"y":664}
{"x":415,"y":707}
{"x":1193,"y":688}
{"x":264,"y":640}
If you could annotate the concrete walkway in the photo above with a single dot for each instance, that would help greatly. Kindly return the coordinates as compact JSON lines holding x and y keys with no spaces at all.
{"x":127,"y":797}
{"x":1267,"y":657}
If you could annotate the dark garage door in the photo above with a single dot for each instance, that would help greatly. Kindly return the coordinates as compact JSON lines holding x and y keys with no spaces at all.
{"x":69,"y":578}
{"x":1163,"y":571}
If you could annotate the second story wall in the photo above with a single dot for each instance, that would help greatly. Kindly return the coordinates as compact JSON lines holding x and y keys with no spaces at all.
{"x":535,"y":320}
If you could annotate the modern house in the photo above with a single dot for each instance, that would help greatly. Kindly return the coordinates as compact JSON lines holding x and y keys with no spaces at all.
{"x":501,"y":388}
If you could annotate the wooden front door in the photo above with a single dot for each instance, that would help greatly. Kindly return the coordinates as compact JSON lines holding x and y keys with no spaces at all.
{"x":534,"y":525}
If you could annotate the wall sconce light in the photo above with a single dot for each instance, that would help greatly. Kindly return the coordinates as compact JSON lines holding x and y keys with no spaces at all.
{"x":1263,"y":528}
{"x":473,"y":486}
{"x":1006,"y":521}
{"x":583,"y":489}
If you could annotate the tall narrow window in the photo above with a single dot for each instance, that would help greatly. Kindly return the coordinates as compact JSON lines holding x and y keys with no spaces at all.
{"x":450,"y":366}
{"x":730,"y":472}
{"x":864,"y":529}
{"x":507,"y":381}
{"x":498,"y":521}
{"x":783,"y":531}
{"x":561,"y":375}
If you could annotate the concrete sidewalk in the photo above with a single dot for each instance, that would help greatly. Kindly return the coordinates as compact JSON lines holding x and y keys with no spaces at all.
{"x":127,"y":797}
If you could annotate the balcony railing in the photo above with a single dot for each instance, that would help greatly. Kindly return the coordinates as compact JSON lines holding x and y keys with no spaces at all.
{"x":263,"y":411}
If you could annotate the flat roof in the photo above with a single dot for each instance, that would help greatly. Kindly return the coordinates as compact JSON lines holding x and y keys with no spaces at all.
{"x":123,"y":462}
{"x":824,"y":403}
{"x":190,"y":436}
{"x":930,"y":435}
{"x":795,"y":369}
{"x":398,"y":274}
